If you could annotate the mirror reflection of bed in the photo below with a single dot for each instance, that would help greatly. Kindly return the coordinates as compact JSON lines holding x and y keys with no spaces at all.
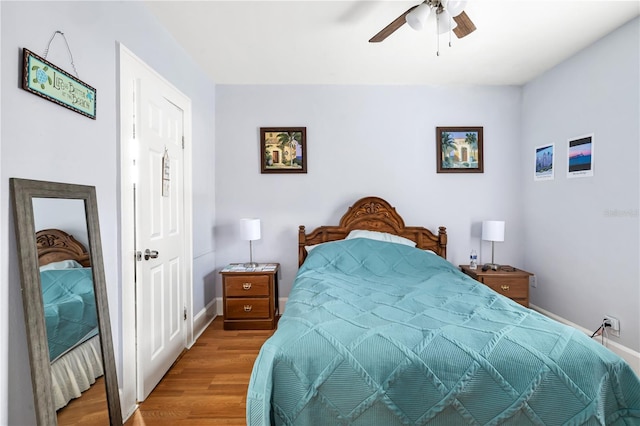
{"x":70,"y":312}
{"x":72,"y":329}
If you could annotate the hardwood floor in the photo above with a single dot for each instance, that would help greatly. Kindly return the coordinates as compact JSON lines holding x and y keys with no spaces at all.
{"x":89,"y":409}
{"x":208,"y":384}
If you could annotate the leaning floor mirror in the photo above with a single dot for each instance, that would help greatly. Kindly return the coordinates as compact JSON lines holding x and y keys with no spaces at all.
{"x":65,"y":303}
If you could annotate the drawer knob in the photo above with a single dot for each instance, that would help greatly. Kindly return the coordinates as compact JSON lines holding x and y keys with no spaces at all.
{"x":248,"y":308}
{"x":246,"y":286}
{"x":504,"y":287}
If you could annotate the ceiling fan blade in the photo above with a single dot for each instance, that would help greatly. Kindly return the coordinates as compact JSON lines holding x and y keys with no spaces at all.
{"x":392,"y":27}
{"x":465,"y":26}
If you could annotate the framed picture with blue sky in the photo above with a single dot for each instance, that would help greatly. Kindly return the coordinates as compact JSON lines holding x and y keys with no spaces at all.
{"x":544,"y":162}
{"x":459,"y":150}
{"x":283,"y":149}
{"x":580,"y":156}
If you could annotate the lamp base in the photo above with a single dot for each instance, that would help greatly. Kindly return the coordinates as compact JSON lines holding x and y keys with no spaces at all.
{"x":492,"y":266}
{"x":251,"y":265}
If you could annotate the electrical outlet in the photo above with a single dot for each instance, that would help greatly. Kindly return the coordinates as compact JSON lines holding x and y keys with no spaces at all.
{"x":533,"y":282}
{"x":615,"y":325}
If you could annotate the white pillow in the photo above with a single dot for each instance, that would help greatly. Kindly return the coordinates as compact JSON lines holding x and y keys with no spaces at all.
{"x":63,"y":264}
{"x":380,"y":236}
{"x":309,"y":248}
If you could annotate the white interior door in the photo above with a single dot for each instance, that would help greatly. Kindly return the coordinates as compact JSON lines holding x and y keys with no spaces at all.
{"x":143,"y":339}
{"x":160,"y":270}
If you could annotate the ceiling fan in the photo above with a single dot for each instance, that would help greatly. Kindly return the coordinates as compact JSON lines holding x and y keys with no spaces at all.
{"x":450,"y":12}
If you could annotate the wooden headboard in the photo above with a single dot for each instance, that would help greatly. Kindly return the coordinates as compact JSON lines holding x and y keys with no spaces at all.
{"x":373,"y":214}
{"x":55,"y":245}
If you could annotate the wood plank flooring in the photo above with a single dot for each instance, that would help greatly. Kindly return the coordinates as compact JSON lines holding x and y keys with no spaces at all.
{"x":89,"y":409}
{"x":208,"y":384}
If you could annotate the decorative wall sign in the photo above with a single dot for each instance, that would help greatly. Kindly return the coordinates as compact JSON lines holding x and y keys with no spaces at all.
{"x":580,"y":156}
{"x":459,"y":150}
{"x":44,"y":79}
{"x":544,"y":162}
{"x":283,"y":149}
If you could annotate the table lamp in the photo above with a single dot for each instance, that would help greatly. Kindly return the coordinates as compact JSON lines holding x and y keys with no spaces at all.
{"x":250,"y":230}
{"x":492,"y":230}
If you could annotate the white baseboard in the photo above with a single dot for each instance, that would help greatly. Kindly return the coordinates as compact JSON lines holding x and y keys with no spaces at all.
{"x":219,"y":308}
{"x":202,"y":320}
{"x":632,"y":357}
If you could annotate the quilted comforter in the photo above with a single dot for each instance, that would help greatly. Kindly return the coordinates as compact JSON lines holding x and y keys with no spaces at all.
{"x":69,"y":308}
{"x":377,"y":333}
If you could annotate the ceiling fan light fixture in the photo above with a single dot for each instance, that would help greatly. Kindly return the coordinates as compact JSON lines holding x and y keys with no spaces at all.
{"x":418,"y":16}
{"x":455,"y":7}
{"x":445,"y":22}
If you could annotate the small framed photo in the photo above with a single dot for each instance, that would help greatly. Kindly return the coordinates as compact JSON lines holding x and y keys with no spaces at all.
{"x":459,"y":150}
{"x":544,"y":163}
{"x":283,"y":149}
{"x":580,"y":156}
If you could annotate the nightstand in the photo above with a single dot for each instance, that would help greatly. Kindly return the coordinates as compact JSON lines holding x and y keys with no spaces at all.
{"x":250,"y":296}
{"x":508,"y":281}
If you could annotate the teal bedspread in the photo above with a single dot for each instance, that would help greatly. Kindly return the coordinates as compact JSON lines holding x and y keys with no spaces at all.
{"x":378,"y":333}
{"x":69,"y":308}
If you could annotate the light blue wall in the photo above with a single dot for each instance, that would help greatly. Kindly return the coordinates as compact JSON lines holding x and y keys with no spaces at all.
{"x":582,"y":236}
{"x":361,"y":141}
{"x":41,"y":140}
{"x":68,"y":215}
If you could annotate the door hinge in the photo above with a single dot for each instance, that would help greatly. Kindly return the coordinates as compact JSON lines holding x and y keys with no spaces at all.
{"x":185,"y":313}
{"x":182,"y":141}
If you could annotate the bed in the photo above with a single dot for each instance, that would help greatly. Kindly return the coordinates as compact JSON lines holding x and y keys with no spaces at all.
{"x":70,"y":314}
{"x":378,"y":332}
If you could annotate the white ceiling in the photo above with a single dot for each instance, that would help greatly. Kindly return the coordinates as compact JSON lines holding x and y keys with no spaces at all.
{"x":326,"y":42}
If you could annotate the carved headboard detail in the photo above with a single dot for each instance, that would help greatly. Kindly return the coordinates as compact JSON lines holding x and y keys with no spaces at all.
{"x":373,"y":214}
{"x":55,"y":245}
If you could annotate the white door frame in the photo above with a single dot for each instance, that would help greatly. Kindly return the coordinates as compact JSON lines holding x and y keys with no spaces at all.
{"x":128,"y":63}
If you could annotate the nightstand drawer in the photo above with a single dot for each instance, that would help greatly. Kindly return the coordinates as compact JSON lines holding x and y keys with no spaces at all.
{"x":510,"y":282}
{"x":247,"y":286}
{"x":515,"y":288}
{"x":247,"y":308}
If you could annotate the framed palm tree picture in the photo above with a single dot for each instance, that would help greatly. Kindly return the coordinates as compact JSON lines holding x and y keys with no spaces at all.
{"x":459,"y":150}
{"x":283,"y":149}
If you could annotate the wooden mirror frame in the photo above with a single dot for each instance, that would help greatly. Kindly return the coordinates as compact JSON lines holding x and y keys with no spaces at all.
{"x":23,"y":192}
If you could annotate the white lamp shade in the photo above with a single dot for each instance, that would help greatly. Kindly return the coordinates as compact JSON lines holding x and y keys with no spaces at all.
{"x":418,"y":16}
{"x":456,"y":7}
{"x":445,"y":22}
{"x":250,"y":229}
{"x":493,"y":230}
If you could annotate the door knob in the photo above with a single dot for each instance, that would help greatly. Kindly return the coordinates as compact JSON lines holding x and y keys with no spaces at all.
{"x":150,"y":254}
